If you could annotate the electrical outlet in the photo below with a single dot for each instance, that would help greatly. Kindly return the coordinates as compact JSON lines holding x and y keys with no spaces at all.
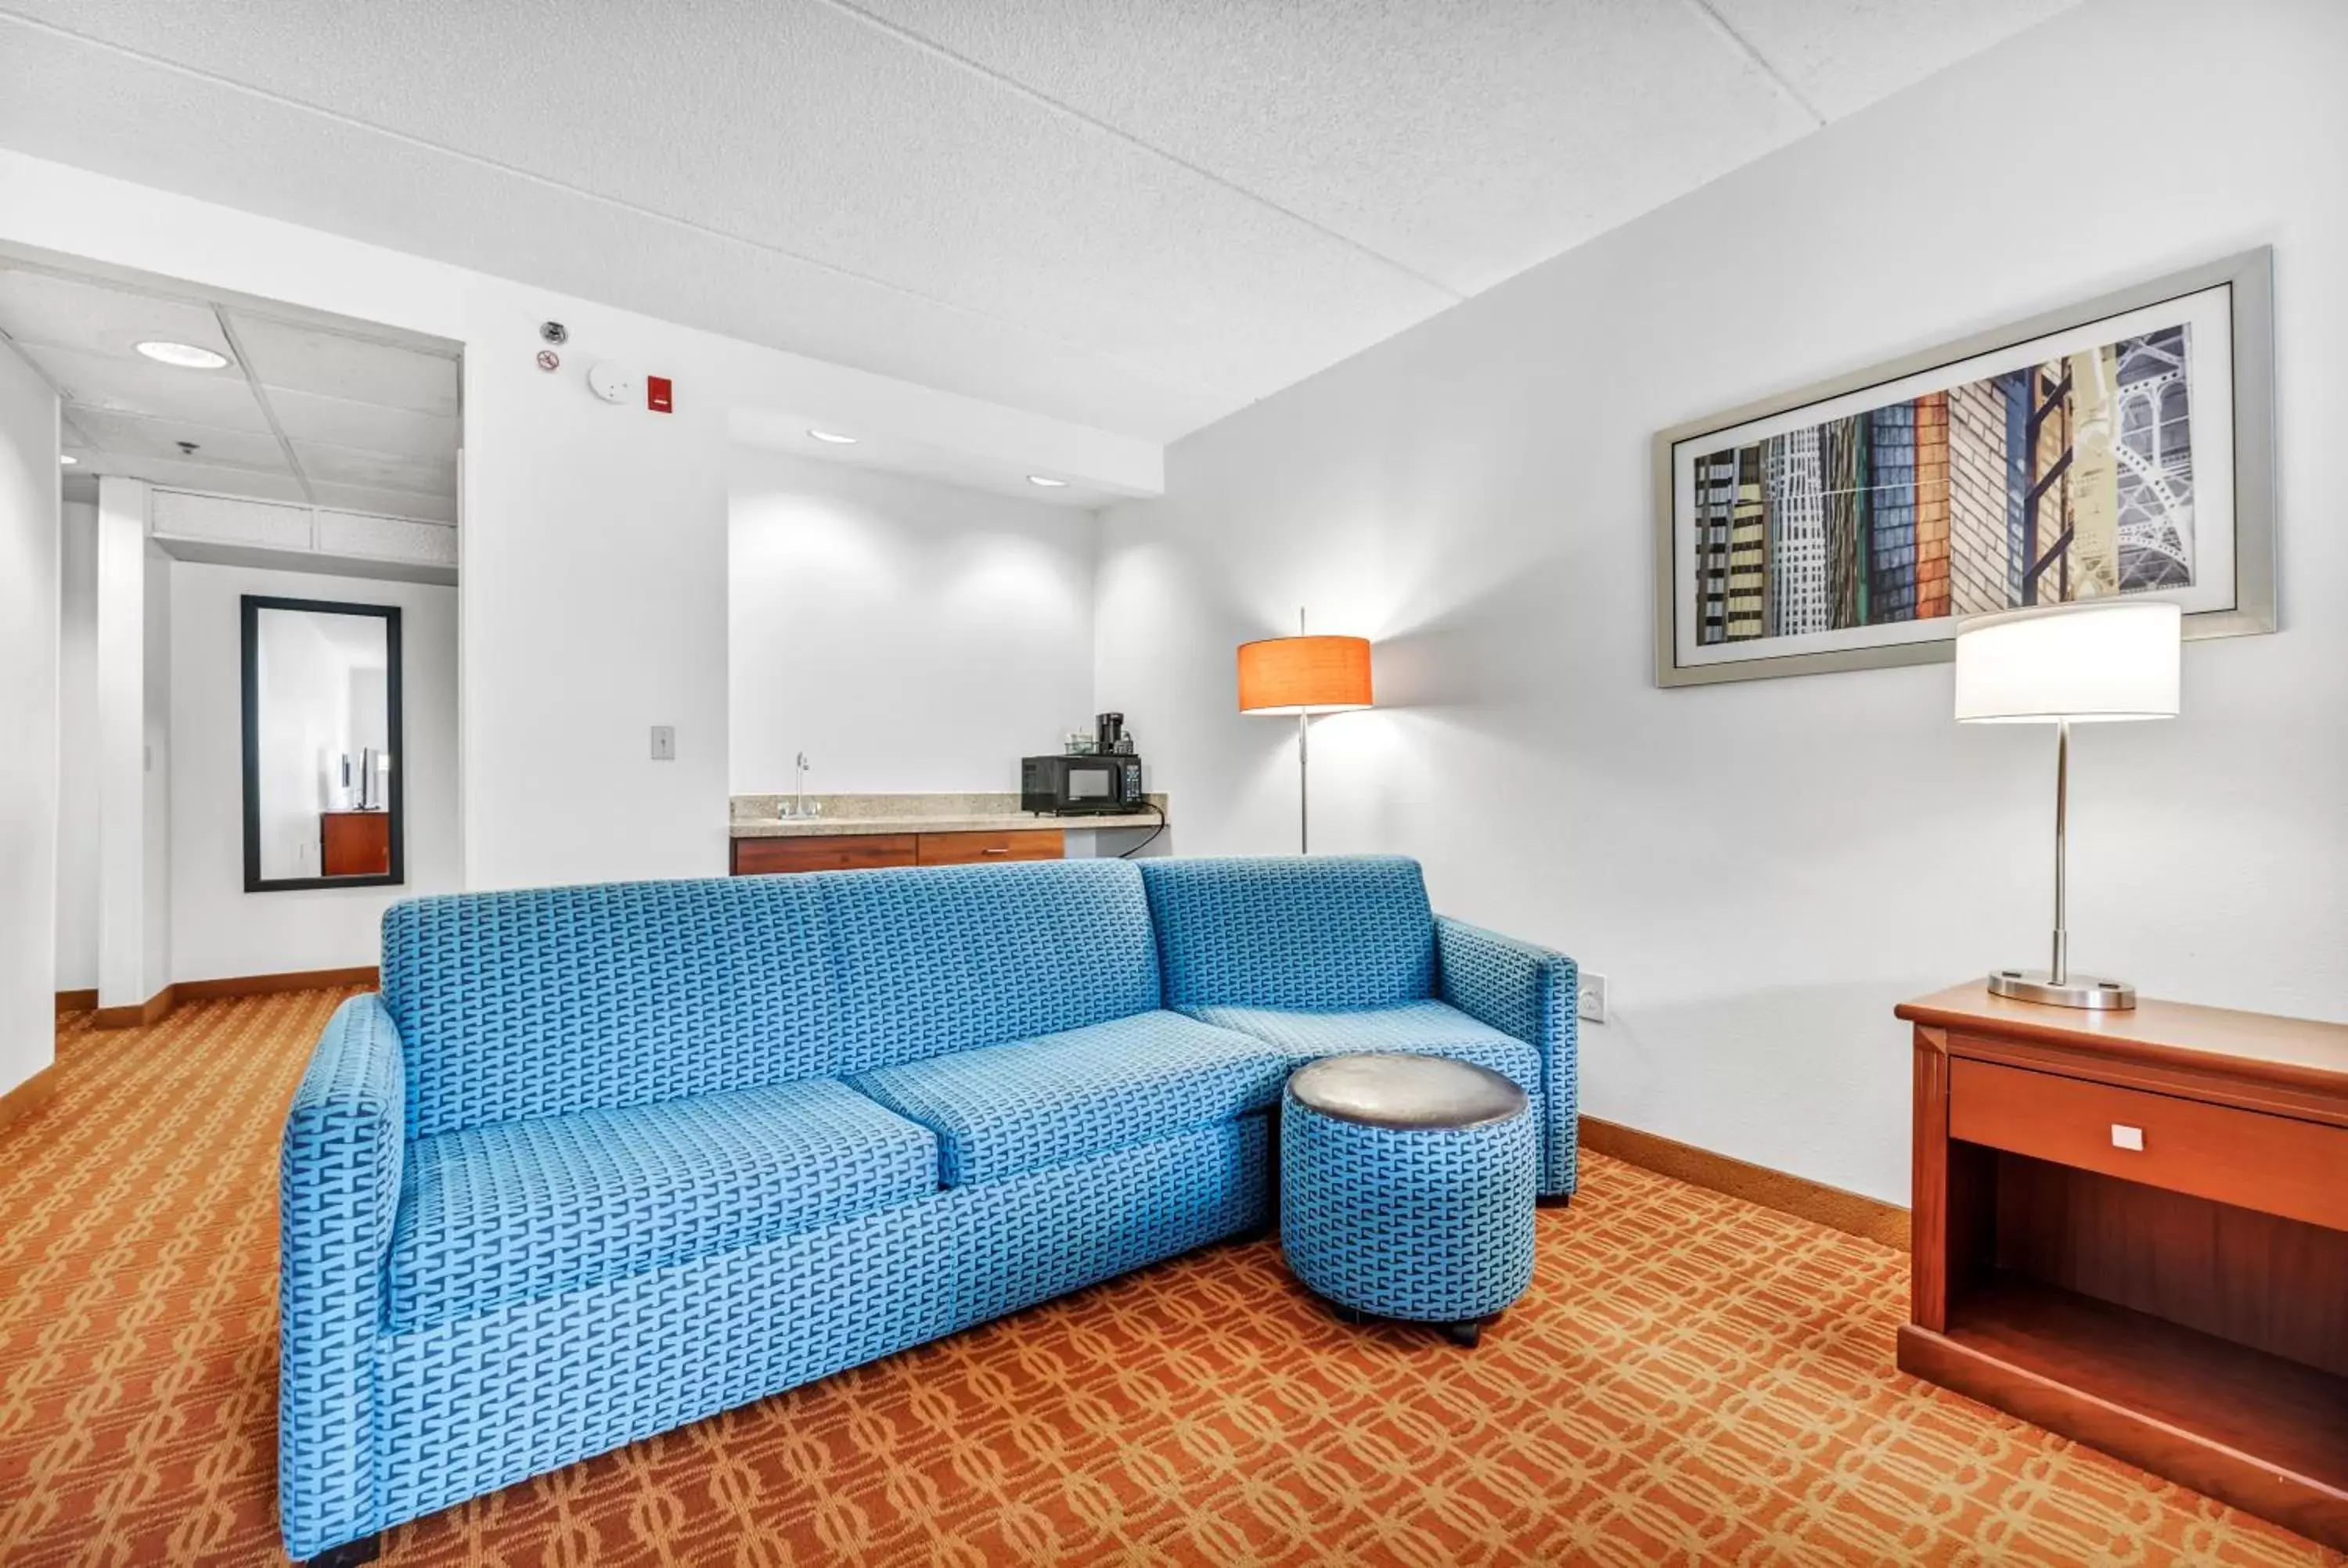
{"x":1590,"y":1003}
{"x":664,"y":742}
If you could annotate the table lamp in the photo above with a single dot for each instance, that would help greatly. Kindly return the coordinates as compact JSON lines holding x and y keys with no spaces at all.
{"x":2091,"y":663}
{"x":1304,"y":675}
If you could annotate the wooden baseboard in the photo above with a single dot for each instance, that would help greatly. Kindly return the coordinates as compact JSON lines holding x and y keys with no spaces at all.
{"x":160,"y":1004}
{"x":29,"y":1096}
{"x":264,"y":984}
{"x":77,"y":1001}
{"x":153,"y":1009}
{"x":1797,"y":1195}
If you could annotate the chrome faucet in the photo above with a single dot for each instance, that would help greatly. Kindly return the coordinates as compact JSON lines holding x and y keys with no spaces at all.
{"x":800,"y":766}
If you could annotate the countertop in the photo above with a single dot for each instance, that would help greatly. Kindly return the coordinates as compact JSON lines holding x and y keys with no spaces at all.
{"x":756,"y":816}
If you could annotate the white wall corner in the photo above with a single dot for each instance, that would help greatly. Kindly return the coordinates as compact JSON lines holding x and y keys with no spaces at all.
{"x":29,"y":610}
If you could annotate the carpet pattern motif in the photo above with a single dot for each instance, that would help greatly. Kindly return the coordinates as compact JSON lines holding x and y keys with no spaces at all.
{"x":1691,"y":1379}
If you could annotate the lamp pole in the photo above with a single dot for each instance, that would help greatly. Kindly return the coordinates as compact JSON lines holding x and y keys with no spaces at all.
{"x":1304,"y":767}
{"x":1303,"y":791}
{"x":2059,"y":972}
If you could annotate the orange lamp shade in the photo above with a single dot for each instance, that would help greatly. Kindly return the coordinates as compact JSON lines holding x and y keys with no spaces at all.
{"x":1305,"y":674}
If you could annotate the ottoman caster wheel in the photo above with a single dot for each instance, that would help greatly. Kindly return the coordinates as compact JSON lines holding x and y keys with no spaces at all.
{"x":349,"y":1554}
{"x":1469,"y":1334}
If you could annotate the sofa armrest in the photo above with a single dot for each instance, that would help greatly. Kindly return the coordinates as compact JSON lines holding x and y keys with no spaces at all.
{"x":1528,"y":992}
{"x":338,"y":1196}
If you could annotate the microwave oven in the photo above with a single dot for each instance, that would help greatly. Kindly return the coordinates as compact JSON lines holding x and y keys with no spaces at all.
{"x":1070,"y":786}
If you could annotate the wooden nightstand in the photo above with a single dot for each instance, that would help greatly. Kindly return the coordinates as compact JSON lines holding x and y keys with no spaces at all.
{"x":2132,"y":1228}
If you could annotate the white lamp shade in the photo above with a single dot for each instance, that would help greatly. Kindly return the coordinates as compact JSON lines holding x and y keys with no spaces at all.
{"x":2108,"y":659}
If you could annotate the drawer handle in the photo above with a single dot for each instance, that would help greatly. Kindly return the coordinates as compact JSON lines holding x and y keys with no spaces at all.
{"x":999,"y":850}
{"x":2126,"y":1137}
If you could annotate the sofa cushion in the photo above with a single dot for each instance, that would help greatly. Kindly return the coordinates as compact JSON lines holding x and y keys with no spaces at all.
{"x":554,"y":1000}
{"x":491,"y":1215}
{"x":1423,"y":1028}
{"x":1011,"y":1108}
{"x":944,"y":959}
{"x":1345,"y":931}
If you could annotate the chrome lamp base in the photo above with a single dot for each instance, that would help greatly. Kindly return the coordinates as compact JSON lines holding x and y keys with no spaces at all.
{"x":2040,"y":986}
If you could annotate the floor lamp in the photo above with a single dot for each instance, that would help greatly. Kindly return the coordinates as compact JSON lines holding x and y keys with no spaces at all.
{"x":2077,"y":664}
{"x":1304,"y":675}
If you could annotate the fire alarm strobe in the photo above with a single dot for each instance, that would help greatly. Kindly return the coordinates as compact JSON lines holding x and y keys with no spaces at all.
{"x":611,"y":382}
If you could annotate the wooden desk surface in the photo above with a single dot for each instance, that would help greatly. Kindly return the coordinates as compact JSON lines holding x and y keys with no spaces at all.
{"x":2301,"y":1052}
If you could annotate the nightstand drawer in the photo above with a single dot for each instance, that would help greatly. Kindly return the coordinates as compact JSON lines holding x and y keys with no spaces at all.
{"x":2272,"y":1163}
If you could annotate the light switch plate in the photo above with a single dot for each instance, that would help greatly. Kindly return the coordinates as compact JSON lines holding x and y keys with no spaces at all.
{"x":1590,"y":1003}
{"x":664,"y":742}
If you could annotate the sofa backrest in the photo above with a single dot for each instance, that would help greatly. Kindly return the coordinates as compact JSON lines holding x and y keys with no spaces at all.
{"x":951,"y":957}
{"x":1319,"y":934}
{"x":526,"y":1004}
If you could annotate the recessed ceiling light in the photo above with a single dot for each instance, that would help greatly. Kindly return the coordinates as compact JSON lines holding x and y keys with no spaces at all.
{"x":1047,"y":482}
{"x":835,"y":437}
{"x":68,"y":459}
{"x":186,"y":355}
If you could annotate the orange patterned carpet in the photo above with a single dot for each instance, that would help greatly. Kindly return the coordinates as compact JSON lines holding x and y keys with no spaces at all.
{"x":1691,"y":1379}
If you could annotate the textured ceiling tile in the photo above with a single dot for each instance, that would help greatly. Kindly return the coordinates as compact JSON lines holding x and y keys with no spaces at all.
{"x":1843,"y":55}
{"x":368,"y":427}
{"x":123,"y":382}
{"x":1136,"y":216}
{"x":145,"y":437}
{"x":303,"y":359}
{"x":40,"y":307}
{"x":376,"y":470}
{"x":797,"y":125}
{"x":256,"y":484}
{"x":180,"y":133}
{"x":1467,"y":141}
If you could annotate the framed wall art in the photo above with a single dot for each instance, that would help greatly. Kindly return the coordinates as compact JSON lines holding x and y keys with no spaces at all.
{"x":2124,"y":446}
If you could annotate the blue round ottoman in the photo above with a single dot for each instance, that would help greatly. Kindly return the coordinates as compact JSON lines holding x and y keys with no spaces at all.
{"x":1406,"y":1188}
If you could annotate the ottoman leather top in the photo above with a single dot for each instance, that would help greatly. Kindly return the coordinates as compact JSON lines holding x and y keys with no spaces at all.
{"x":1388,"y":1089}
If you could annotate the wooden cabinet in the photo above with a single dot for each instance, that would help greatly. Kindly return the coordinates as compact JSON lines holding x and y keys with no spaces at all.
{"x":2132,"y":1229}
{"x":355,"y":844}
{"x":864,"y":851}
{"x":835,"y":852}
{"x":978,"y":848}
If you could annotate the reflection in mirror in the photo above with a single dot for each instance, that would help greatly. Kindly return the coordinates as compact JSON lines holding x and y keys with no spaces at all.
{"x":321,"y":753}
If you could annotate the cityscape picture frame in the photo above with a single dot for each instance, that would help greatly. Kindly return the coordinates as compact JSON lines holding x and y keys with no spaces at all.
{"x":2125,"y":444}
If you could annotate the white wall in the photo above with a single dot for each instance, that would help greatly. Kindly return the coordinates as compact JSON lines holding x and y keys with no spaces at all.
{"x":219,"y":929}
{"x":593,"y":537}
{"x":77,"y":769}
{"x":134,"y":750}
{"x":156,"y":858}
{"x":1763,"y":870}
{"x":906,"y":635}
{"x":28,"y":718}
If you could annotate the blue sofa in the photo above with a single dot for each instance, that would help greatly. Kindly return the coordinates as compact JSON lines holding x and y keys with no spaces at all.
{"x":600,"y":1160}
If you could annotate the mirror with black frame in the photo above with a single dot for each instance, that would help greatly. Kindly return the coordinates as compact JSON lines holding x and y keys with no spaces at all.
{"x":322,"y":762}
